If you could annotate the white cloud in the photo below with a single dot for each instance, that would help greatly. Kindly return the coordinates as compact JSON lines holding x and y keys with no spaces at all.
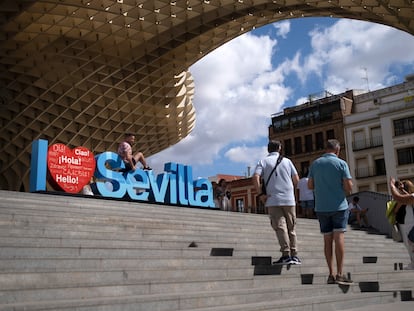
{"x":342,"y":52}
{"x":246,"y":155}
{"x":283,"y":28}
{"x":237,"y":90}
{"x":301,"y":101}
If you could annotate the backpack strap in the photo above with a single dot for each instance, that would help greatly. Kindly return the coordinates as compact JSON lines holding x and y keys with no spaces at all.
{"x":279,"y":159}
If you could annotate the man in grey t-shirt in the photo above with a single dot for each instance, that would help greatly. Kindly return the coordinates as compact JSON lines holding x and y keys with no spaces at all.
{"x":280,"y":199}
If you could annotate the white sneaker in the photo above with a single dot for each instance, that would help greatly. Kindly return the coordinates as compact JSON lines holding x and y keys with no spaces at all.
{"x":295,"y":260}
{"x":284,"y":260}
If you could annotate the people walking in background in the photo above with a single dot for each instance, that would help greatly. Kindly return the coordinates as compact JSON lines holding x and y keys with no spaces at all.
{"x":403,"y":193}
{"x":306,"y":199}
{"x":125,"y":152}
{"x":330,"y":179}
{"x":222,"y":192}
{"x":280,"y":199}
{"x":228,"y":197}
{"x":215,"y":194}
{"x":358,"y":213}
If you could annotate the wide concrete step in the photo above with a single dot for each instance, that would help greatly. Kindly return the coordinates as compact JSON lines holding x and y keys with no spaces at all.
{"x":31,"y":280}
{"x":125,"y":285}
{"x":316,"y":297}
{"x":71,"y":253}
{"x":128,"y":216}
{"x":183,"y":268}
{"x":67,"y":235}
{"x":57,"y":226}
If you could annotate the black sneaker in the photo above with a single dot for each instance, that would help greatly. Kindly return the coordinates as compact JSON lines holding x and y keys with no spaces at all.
{"x":343,"y":280}
{"x":295,"y":260}
{"x":284,"y":260}
{"x":147,"y":168}
{"x":331,"y":280}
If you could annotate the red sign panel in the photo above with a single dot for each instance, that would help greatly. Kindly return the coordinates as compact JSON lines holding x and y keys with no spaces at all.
{"x":70,"y":169}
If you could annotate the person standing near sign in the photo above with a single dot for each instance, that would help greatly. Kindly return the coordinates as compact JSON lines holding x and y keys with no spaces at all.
{"x":403,"y":193}
{"x":125,"y":152}
{"x":280,"y":199}
{"x":331,"y":180}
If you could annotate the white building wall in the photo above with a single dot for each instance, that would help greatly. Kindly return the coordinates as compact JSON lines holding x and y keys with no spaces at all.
{"x":379,"y":109}
{"x":392,"y":143}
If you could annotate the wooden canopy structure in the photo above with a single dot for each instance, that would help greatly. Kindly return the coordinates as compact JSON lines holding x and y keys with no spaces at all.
{"x":84,"y":72}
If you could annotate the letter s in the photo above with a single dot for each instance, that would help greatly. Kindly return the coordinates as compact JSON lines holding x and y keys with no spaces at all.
{"x":115,"y":178}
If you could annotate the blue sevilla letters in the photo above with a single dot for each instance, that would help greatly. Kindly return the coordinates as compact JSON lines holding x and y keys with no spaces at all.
{"x":174,"y":186}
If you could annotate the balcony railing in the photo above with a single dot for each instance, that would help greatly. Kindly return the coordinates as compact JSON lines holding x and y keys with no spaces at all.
{"x":367,"y":143}
{"x":364,"y":172}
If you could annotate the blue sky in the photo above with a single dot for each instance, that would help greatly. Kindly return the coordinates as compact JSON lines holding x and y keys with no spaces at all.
{"x":242,"y":83}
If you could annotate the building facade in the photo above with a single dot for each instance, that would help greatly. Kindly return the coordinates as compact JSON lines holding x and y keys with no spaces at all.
{"x":304,"y":129}
{"x":244,"y":196}
{"x":376,"y":130}
{"x":379,"y":137}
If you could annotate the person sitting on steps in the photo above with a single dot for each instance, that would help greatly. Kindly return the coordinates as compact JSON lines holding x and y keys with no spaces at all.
{"x":359,"y":212}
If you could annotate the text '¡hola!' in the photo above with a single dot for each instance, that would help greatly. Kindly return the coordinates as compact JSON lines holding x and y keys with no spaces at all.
{"x":69,"y":169}
{"x":70,"y":160}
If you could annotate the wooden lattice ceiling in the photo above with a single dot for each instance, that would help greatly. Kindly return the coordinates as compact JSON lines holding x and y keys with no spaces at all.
{"x":83,"y":72}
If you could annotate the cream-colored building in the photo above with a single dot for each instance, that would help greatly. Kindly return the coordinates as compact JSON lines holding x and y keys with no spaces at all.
{"x":380,"y":137}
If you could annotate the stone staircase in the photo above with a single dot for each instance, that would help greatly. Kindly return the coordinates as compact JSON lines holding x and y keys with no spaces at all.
{"x":62,"y":252}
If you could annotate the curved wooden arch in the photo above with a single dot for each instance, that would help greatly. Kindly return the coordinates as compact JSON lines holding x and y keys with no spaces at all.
{"x":84,"y":72}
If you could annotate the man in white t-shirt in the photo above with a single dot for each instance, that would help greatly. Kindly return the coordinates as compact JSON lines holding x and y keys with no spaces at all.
{"x":280,"y":199}
{"x":306,"y":199}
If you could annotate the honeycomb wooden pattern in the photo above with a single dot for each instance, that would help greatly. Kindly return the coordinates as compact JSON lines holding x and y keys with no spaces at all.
{"x":84,"y":72}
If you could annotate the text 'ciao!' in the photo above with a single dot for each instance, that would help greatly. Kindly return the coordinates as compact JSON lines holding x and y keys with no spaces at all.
{"x":70,"y":170}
